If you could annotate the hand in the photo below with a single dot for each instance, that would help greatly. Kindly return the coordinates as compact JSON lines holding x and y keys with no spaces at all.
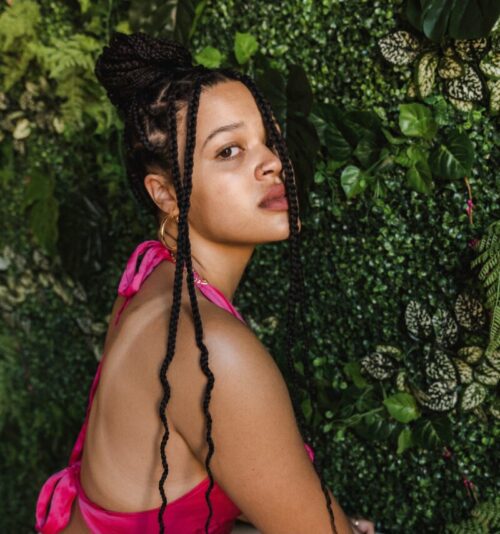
{"x":362,"y":526}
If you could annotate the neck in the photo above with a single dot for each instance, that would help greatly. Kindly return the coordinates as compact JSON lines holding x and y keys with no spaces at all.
{"x":221,"y":264}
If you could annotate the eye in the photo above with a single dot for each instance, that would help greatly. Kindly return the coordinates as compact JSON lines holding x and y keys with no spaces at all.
{"x":226,"y":151}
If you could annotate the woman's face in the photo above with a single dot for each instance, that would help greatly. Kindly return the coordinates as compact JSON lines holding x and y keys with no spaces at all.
{"x":233,"y":170}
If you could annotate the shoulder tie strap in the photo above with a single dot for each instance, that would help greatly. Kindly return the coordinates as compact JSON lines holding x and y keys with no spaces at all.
{"x":154,"y":252}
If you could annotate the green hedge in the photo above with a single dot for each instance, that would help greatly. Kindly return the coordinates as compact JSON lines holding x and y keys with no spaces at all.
{"x":70,"y":224}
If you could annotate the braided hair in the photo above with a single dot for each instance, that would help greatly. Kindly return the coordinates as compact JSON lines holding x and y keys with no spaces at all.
{"x":148,"y":79}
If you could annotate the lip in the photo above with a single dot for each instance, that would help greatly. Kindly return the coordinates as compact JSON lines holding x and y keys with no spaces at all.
{"x":276,"y":204}
{"x":276,"y":196}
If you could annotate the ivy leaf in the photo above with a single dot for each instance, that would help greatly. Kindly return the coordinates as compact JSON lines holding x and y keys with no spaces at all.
{"x":416,"y":120}
{"x":353,"y":180}
{"x":245,"y":46}
{"x":209,"y":57}
{"x":402,"y":406}
{"x":453,"y":160}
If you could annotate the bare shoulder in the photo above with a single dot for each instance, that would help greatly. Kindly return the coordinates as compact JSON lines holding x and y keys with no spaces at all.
{"x":259,"y":456}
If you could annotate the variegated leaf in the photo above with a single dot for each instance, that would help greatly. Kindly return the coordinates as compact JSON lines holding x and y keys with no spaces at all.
{"x":379,"y":365}
{"x":486,"y":375}
{"x":469,"y":312}
{"x":495,"y":408}
{"x":468,"y":87}
{"x":494,"y":88}
{"x":449,"y":68}
{"x":469,"y":49}
{"x":493,"y":358}
{"x":471,"y":354}
{"x":438,"y":366}
{"x":411,"y":90}
{"x":425,"y":73}
{"x":473,"y":395}
{"x":461,"y":105}
{"x":440,"y":397}
{"x":401,"y":381}
{"x":399,"y":48}
{"x":445,"y":328}
{"x":389,"y":350}
{"x":418,"y":320}
{"x":464,"y":371}
{"x":490,"y":64}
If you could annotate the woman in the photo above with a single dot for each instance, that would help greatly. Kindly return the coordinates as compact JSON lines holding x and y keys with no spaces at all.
{"x":206,"y":157}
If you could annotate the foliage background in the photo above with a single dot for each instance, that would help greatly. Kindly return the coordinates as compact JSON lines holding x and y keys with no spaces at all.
{"x":69,"y":223}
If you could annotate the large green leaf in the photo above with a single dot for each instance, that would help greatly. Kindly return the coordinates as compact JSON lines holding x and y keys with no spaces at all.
{"x":353,"y":180}
{"x":402,"y":406}
{"x":273,"y":85}
{"x":432,"y":432}
{"x":325,"y":117}
{"x":298,"y":90}
{"x":374,"y":427}
{"x":453,"y":160}
{"x":419,"y":177}
{"x":303,"y":144}
{"x":457,"y":19}
{"x":416,"y":120}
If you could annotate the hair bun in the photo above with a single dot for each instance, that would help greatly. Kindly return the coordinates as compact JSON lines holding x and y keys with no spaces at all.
{"x":134,"y":62}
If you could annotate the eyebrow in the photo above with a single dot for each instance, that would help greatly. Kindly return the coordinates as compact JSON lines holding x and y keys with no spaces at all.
{"x":225,"y":128}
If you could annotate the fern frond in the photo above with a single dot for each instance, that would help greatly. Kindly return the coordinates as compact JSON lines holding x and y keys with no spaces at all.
{"x":18,"y":21}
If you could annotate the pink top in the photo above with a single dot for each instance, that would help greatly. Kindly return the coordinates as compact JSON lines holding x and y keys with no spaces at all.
{"x":185,"y":515}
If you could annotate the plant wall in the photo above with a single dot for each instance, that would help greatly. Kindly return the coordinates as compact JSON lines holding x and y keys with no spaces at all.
{"x":390,"y":110}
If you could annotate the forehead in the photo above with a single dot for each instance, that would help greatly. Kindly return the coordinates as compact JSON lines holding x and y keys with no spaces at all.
{"x":226,"y":102}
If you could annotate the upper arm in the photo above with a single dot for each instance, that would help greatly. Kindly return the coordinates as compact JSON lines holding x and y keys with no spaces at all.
{"x":259,"y":459}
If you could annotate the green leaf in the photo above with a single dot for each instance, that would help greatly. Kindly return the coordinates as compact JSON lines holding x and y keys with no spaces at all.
{"x":298,"y":90}
{"x":325,"y":117}
{"x":457,"y":19}
{"x":402,"y":406}
{"x":419,"y":177}
{"x":39,"y":188}
{"x":353,"y":371}
{"x":353,"y":180}
{"x":405,"y":440}
{"x":209,"y":57}
{"x":374,"y":427}
{"x":454,"y":159}
{"x":432,"y":432}
{"x":415,"y":120}
{"x":367,"y":152}
{"x":307,"y":409}
{"x":43,"y":222}
{"x":273,"y":84}
{"x":495,"y":97}
{"x":245,"y":46}
{"x":303,"y":145}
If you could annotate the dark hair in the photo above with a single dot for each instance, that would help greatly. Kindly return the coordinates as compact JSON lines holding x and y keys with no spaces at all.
{"x":147,"y":79}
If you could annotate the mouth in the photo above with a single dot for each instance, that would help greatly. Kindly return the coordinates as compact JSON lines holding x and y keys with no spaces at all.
{"x":275,"y":204}
{"x":275,"y":199}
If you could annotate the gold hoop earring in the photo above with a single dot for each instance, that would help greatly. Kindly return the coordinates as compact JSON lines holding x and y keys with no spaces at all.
{"x":162,"y":233}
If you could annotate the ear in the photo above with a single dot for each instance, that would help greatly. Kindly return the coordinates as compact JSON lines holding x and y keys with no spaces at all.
{"x":162,"y":192}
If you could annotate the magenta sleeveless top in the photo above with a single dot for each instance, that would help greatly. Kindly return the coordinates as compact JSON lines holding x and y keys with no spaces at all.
{"x":185,"y":515}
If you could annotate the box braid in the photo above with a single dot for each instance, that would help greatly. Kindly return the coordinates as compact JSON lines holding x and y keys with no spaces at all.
{"x":145,"y":79}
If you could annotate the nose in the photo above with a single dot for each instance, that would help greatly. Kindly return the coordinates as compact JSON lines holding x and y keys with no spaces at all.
{"x":270,"y":165}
